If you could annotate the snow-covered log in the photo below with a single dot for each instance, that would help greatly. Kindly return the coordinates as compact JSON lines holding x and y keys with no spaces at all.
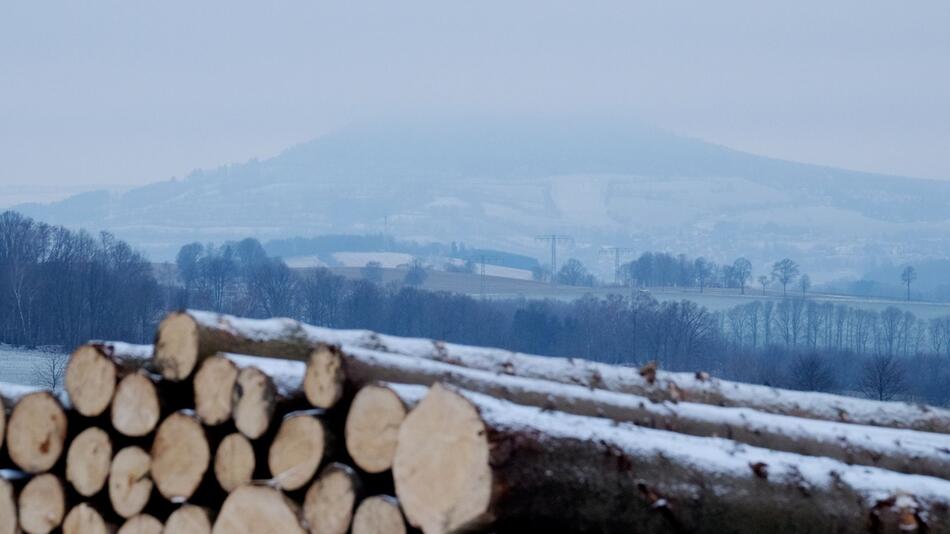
{"x":902,"y":450}
{"x":186,"y":337}
{"x":247,"y":389}
{"x":508,"y":467}
{"x":95,"y":368}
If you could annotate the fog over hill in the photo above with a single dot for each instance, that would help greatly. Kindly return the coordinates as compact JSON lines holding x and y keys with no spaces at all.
{"x":499,"y":183}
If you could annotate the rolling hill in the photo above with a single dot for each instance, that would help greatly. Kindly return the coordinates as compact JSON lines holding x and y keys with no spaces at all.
{"x":500,"y":182}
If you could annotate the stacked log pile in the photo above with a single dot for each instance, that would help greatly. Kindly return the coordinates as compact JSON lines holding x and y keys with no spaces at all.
{"x":231,"y":425}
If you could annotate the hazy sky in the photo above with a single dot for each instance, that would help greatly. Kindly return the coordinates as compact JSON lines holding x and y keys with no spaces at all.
{"x":128,"y":92}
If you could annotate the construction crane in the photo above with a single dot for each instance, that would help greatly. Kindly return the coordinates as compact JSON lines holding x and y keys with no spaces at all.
{"x":554,"y":239}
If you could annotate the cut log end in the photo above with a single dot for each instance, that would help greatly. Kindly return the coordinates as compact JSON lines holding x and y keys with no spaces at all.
{"x":176,"y":346}
{"x":135,"y":407}
{"x":255,"y":398}
{"x":141,"y":524}
{"x":372,"y":427}
{"x":189,"y":519}
{"x":325,"y":379}
{"x":88,"y":461}
{"x":90,"y":380}
{"x":84,"y":519}
{"x":234,"y":462}
{"x":42,"y":504}
{"x":443,"y":484}
{"x":214,"y":390}
{"x":129,"y":484}
{"x":36,"y":432}
{"x":296,"y":451}
{"x":379,"y":515}
{"x":8,"y":515}
{"x":328,"y":505}
{"x":253,"y":509}
{"x":180,"y":456}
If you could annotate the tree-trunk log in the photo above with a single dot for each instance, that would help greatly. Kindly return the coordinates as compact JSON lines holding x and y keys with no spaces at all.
{"x":180,"y":456}
{"x":234,"y":462}
{"x":84,"y":519}
{"x":130,"y":485}
{"x":253,"y":509}
{"x":8,"y":512}
{"x":372,"y":424}
{"x":88,"y":461}
{"x":141,"y":524}
{"x":136,"y":407}
{"x":902,"y":450}
{"x":188,"y":519}
{"x":297,"y":450}
{"x":35,"y":432}
{"x":10,"y":394}
{"x":328,"y":504}
{"x":197,"y":334}
{"x":379,"y":514}
{"x":41,"y":504}
{"x":495,"y":464}
{"x":93,"y":370}
{"x":217,"y":397}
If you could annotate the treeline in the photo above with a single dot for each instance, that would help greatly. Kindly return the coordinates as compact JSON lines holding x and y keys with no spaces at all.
{"x":59,"y":287}
{"x":62,"y":287}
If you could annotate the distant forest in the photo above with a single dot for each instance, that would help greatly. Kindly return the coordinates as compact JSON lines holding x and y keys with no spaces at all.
{"x":59,"y":287}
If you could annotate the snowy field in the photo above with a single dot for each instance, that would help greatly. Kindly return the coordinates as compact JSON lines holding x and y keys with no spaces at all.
{"x":32,"y":367}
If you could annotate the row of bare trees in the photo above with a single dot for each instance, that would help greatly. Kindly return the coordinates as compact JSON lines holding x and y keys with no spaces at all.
{"x":60,"y":287}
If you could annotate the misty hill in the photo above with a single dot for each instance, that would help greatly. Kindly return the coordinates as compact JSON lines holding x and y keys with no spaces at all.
{"x":498,"y":183}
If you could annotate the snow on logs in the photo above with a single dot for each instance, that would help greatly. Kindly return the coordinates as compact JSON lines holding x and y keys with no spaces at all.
{"x":508,"y":467}
{"x":236,"y":425}
{"x":184,"y":338}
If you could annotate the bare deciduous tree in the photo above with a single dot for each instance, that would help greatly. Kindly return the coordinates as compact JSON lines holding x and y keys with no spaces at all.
{"x":784,"y":271}
{"x":742,"y":271}
{"x":882,"y":377}
{"x":50,"y":371}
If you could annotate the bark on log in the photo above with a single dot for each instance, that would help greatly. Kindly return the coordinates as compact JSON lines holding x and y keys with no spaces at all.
{"x":372,"y":424}
{"x":297,"y":450}
{"x":500,"y":465}
{"x":35,"y":431}
{"x":41,"y":504}
{"x":188,"y":519}
{"x":88,"y":461}
{"x":141,"y":524}
{"x":207,"y":333}
{"x":93,"y":370}
{"x":328,"y":504}
{"x":234,"y":462}
{"x":379,"y":514}
{"x":84,"y":519}
{"x":180,"y":456}
{"x":8,"y":512}
{"x":130,"y":485}
{"x":253,"y":509}
{"x":902,"y":450}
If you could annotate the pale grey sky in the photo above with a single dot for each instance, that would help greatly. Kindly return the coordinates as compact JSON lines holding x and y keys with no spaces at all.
{"x":127,"y":92}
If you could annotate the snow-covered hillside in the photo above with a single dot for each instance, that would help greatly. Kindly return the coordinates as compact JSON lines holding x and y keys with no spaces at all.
{"x":31,"y":367}
{"x":501,"y":183}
